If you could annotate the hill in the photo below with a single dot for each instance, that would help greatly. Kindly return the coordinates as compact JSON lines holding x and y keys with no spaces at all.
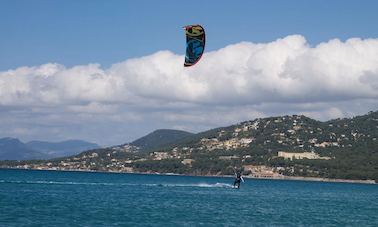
{"x":267,"y":147}
{"x":160,"y":138}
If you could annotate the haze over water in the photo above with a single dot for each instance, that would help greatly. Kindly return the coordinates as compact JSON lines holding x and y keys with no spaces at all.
{"x":52,"y":198}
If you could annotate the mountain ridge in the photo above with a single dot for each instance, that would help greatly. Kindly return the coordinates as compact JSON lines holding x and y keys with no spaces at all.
{"x":14,"y":149}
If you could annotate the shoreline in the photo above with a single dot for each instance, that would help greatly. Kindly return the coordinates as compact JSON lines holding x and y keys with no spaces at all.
{"x":290,"y":178}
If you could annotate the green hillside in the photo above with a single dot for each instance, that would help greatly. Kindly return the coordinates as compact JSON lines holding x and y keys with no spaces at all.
{"x":160,"y":138}
{"x":340,"y":148}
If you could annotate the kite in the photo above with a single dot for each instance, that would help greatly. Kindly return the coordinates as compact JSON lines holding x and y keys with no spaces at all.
{"x":195,"y":44}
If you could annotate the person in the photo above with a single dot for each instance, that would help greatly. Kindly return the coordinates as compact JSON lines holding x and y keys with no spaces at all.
{"x":238,"y":179}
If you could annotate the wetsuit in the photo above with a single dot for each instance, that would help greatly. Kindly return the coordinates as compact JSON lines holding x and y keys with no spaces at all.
{"x":237,"y":180}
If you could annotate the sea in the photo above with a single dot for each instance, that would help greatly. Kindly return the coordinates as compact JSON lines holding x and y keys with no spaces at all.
{"x":60,"y":198}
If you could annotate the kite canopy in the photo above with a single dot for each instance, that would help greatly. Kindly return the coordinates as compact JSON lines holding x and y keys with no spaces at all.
{"x":195,"y":44}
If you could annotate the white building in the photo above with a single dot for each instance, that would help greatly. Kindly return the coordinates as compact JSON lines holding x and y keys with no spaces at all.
{"x":302,"y":155}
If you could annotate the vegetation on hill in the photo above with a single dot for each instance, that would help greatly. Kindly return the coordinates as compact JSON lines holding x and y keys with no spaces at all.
{"x":160,"y":138}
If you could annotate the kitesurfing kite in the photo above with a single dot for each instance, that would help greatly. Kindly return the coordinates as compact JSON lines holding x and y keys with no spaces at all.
{"x":195,"y":44}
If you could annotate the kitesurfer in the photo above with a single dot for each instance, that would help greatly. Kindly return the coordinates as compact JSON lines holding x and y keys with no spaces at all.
{"x":238,"y":179}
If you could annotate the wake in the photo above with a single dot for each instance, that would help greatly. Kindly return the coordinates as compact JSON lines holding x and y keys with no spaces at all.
{"x":200,"y":185}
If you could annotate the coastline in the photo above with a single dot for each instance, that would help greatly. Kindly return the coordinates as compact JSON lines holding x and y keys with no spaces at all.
{"x":290,"y":178}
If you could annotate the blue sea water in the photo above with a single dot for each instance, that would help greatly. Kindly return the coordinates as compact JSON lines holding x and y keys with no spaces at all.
{"x":54,"y":198}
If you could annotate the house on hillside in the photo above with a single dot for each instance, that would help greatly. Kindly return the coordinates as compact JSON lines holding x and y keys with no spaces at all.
{"x":301,"y":155}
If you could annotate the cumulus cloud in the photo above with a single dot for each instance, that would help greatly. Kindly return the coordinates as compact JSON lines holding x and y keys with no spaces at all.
{"x":286,"y":70}
{"x":237,"y":82}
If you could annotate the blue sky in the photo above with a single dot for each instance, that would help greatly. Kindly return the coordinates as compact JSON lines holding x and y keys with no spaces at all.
{"x":81,"y":32}
{"x":112,"y":71}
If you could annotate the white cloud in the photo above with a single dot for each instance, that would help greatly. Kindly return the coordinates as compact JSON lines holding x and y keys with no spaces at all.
{"x":237,"y":82}
{"x":286,"y":70}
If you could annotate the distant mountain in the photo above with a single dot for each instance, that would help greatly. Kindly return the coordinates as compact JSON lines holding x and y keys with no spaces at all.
{"x":14,"y":149}
{"x":160,"y":138}
{"x":61,"y":149}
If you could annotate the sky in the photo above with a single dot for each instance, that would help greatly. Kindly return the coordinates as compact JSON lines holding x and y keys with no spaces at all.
{"x":112,"y":71}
